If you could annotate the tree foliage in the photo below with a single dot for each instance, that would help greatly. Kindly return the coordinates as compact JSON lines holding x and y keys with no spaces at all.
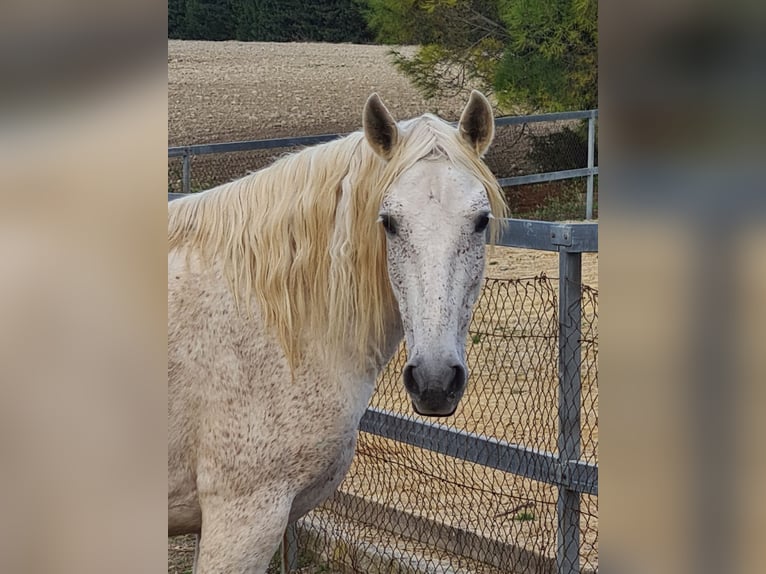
{"x":268,"y":20}
{"x":532,"y":54}
{"x":536,"y":54}
{"x":460,"y":41}
{"x":176,"y":18}
{"x":551,"y":60}
{"x":208,"y":20}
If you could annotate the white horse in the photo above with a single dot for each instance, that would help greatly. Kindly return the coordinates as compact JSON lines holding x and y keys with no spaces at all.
{"x":288,"y":292}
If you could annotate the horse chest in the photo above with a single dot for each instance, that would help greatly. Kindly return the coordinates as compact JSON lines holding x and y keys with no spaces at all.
{"x":333,"y":460}
{"x":327,"y":435}
{"x":302,"y":432}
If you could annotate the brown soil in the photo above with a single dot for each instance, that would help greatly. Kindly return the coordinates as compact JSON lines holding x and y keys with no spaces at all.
{"x":225,"y":91}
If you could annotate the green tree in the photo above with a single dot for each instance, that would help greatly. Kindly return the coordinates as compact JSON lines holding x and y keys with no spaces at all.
{"x":300,"y":20}
{"x":551,"y":61}
{"x":535,"y":54}
{"x":340,"y":21}
{"x":461,"y":41}
{"x":209,"y":20}
{"x":269,"y":20}
{"x":176,"y":19}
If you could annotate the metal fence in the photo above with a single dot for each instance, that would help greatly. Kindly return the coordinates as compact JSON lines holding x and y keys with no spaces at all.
{"x":510,"y":485}
{"x":530,"y":154}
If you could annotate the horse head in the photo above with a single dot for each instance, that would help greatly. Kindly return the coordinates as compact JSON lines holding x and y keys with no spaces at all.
{"x":435,"y":213}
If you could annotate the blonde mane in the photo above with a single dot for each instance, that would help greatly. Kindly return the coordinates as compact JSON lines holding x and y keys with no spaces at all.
{"x":301,"y":237}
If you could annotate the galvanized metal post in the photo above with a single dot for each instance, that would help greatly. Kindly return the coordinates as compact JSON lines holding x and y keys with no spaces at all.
{"x":186,"y":173}
{"x":568,"y":506}
{"x":591,"y":161}
{"x":713,"y":397}
{"x":289,"y":550}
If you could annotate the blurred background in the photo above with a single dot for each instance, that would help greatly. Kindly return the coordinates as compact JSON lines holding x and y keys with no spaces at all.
{"x":83,"y":143}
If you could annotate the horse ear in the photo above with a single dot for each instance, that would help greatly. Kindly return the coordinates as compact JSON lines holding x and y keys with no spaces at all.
{"x":379,"y":127}
{"x":477,"y":123}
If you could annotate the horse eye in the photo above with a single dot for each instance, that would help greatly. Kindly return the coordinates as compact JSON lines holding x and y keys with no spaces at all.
{"x":389,"y":224}
{"x":481,"y":222}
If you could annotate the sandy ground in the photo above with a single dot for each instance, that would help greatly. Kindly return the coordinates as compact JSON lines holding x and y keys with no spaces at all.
{"x":223,"y":91}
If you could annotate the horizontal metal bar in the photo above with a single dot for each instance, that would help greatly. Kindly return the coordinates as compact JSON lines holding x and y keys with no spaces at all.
{"x":178,"y":151}
{"x":471,"y":447}
{"x":172,"y":196}
{"x":528,"y":234}
{"x":553,"y":117}
{"x":548,"y":176}
{"x":584,"y":238}
{"x":582,"y":477}
{"x":204,"y":149}
{"x":549,"y":236}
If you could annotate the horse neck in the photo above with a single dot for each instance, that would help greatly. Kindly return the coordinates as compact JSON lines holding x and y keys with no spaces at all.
{"x":379,"y":350}
{"x":393,"y":336}
{"x":356,"y":377}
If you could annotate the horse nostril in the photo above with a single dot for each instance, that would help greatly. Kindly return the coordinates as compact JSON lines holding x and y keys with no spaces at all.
{"x":458,"y":381}
{"x":409,"y":379}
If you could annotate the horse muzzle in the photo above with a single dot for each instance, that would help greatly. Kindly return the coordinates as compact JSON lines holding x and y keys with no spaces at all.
{"x":435,"y":388}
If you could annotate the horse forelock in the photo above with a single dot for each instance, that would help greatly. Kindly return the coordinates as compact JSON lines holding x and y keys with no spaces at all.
{"x":301,"y":239}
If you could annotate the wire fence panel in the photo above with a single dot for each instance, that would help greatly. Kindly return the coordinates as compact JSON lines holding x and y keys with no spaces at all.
{"x":407,"y":509}
{"x":208,"y":171}
{"x":540,"y":147}
{"x":589,"y":376}
{"x":175,"y":174}
{"x":589,"y":533}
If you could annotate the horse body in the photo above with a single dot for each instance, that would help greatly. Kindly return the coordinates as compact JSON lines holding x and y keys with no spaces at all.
{"x":275,"y":342}
{"x":233,"y":405}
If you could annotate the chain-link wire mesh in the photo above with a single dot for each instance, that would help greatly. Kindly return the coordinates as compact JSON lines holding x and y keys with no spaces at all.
{"x":211,"y":170}
{"x":175,"y":175}
{"x":538,"y":147}
{"x":589,"y":423}
{"x":542,"y":147}
{"x":405,"y":509}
